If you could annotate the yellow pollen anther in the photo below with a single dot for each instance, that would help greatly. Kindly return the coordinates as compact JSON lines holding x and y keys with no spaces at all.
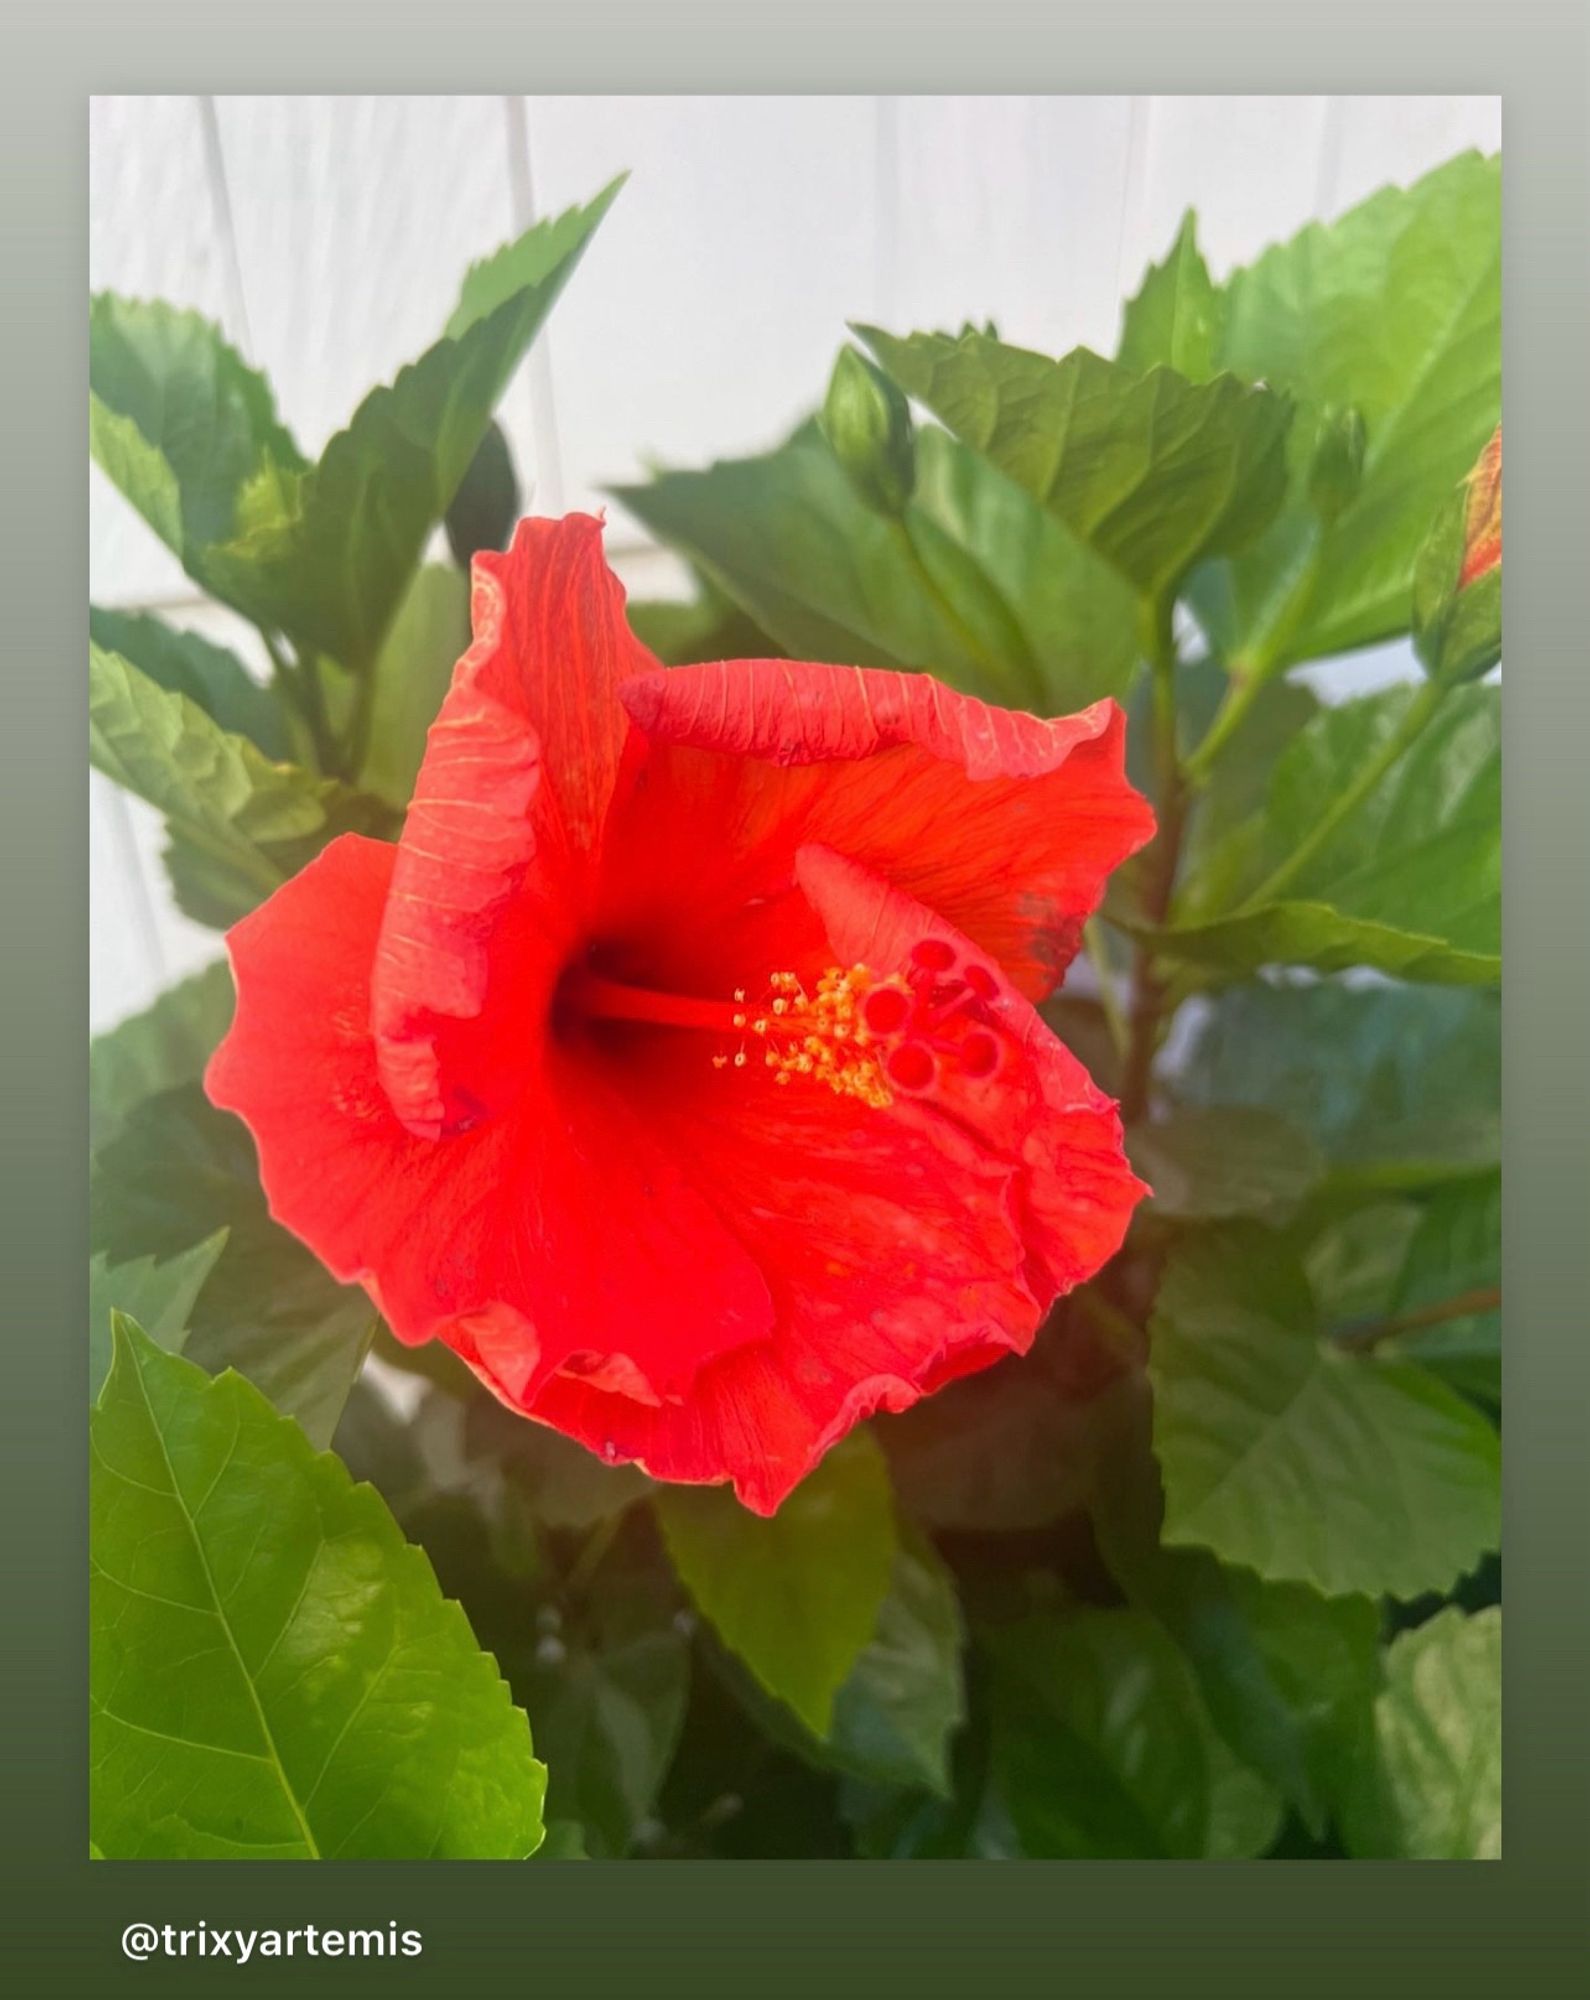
{"x":822,"y":1035}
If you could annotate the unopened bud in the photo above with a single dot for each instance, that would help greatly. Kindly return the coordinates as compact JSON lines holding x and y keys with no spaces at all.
{"x":868,"y":426}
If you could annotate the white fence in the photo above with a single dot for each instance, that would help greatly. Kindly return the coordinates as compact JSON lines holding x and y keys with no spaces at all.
{"x":328,"y":235}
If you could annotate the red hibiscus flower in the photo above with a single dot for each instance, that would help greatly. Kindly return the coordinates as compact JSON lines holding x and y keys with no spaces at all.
{"x":678,"y":1068}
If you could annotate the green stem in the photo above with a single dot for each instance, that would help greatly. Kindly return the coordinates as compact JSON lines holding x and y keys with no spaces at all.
{"x":1251,"y":675}
{"x":302,"y":687}
{"x":1148,"y":990}
{"x":359,"y":728}
{"x":1483,"y":1299}
{"x":1109,"y":999}
{"x":1419,"y":714}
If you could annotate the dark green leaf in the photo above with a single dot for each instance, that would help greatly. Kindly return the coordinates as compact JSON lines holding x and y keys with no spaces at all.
{"x":560,"y":1482}
{"x":709,"y":626}
{"x":1221,"y":1161}
{"x":1103,"y":1748}
{"x":273,"y":1673}
{"x":565,"y":1841}
{"x":1457,"y":1248}
{"x":1393,"y":311}
{"x":169,"y":1043}
{"x":797,"y":1596}
{"x":1154,"y":472}
{"x":183,"y":663}
{"x":327,"y":555}
{"x":974,"y":584}
{"x":1433,"y":1790}
{"x":177,"y":1171}
{"x":1280,"y":1452}
{"x":483,"y":511}
{"x":160,"y":1296}
{"x":1176,"y":319}
{"x":240,"y":825}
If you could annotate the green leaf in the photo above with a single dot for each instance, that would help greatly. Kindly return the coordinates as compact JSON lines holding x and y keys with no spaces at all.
{"x":709,"y":626}
{"x":974,"y":583}
{"x":1393,"y":311}
{"x":1400,"y":1086}
{"x":1154,"y":472}
{"x":1103,"y":1747}
{"x":169,"y":1043}
{"x":797,"y":1596}
{"x":1177,"y":317}
{"x":1410,"y":882}
{"x":326,"y":555}
{"x":178,"y":421}
{"x":560,"y":1482}
{"x":176,"y":1172}
{"x":428,"y":638}
{"x":1211,"y":1163}
{"x":183,"y":663}
{"x":159,"y":1296}
{"x":565,"y":1841}
{"x":273,"y":1672}
{"x":1456,"y":1248}
{"x":1434,"y":1789}
{"x":1307,"y":1464}
{"x":483,"y":511}
{"x":1288,"y":1676}
{"x":240,"y":825}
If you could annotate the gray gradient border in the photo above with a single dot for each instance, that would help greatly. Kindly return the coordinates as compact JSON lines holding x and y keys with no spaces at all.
{"x":1519,"y":1926}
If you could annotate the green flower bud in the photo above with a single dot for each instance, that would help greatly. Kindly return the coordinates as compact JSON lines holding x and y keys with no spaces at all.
{"x":868,"y":425}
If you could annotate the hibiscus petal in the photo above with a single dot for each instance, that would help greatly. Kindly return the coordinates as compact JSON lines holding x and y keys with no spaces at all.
{"x":1005,"y":823}
{"x":558,"y":1237}
{"x":498,"y":851}
{"x":903,"y":1245}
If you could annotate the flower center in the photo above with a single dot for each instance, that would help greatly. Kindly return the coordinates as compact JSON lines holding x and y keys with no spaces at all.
{"x":862,"y":1034}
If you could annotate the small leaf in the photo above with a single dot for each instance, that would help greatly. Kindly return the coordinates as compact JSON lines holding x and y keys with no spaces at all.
{"x":1307,"y":1464}
{"x":1223,"y":1161}
{"x":169,"y":1043}
{"x":1175,"y":321}
{"x":1152,"y":471}
{"x":160,"y":1296}
{"x":1434,"y":1789}
{"x":796,"y":1596}
{"x":273,"y":1673}
{"x":240,"y":825}
{"x":183,"y":663}
{"x":177,"y":1171}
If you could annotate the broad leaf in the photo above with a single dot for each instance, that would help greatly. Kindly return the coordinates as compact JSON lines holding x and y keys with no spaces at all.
{"x":273,"y":1672}
{"x":209,"y":675}
{"x":1410,"y":883}
{"x":1456,"y":1248}
{"x":1394,"y":311}
{"x":797,"y":1596}
{"x":1433,"y":1791}
{"x":1103,"y":1747}
{"x":169,"y":1043}
{"x":327,"y":554}
{"x":1154,"y":472}
{"x":1307,"y":1464}
{"x":240,"y":825}
{"x":178,"y":421}
{"x":1178,"y":315}
{"x":1397,"y":1084}
{"x":177,"y":1171}
{"x":972,"y":583}
{"x":160,"y":1296}
{"x":1223,"y":1161}
{"x":414,"y":671}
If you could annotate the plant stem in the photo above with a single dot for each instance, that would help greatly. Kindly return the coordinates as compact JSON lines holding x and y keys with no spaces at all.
{"x":1109,"y":999}
{"x":302,"y":687}
{"x":1483,"y":1299}
{"x":1148,"y":990}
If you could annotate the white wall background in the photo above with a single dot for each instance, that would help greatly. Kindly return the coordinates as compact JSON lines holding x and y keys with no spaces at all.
{"x":327,"y":237}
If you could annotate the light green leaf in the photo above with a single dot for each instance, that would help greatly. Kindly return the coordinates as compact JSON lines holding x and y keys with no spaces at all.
{"x":1410,"y":882}
{"x":1434,"y":1789}
{"x":326,"y":555}
{"x":273,"y":1672}
{"x":415,"y":670}
{"x":1394,"y":311}
{"x":1280,"y":1452}
{"x":797,"y":1596}
{"x":1401,"y":1086}
{"x":169,"y":1043}
{"x":160,"y":1296}
{"x":973,"y":583}
{"x":240,"y":825}
{"x":177,"y":1171}
{"x":183,"y":663}
{"x":1208,"y":1163}
{"x":1154,"y":472}
{"x":178,"y":421}
{"x":1176,"y":319}
{"x":1103,"y":1747}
